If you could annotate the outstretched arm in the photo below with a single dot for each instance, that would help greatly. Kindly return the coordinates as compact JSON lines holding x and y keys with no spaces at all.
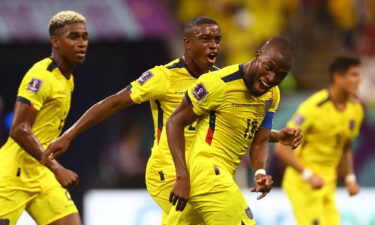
{"x":258,"y":159}
{"x":92,"y":116}
{"x":21,"y":132}
{"x":181,"y":117}
{"x":285,"y":153}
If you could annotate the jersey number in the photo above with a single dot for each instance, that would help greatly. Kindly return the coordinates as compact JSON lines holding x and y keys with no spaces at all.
{"x":250,"y":128}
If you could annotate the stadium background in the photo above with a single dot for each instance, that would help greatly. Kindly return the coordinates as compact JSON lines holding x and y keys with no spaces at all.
{"x":129,"y":36}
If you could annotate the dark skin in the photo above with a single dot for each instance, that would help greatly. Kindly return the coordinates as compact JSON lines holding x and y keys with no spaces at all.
{"x":201,"y":42}
{"x":265,"y":71}
{"x":69,"y":45}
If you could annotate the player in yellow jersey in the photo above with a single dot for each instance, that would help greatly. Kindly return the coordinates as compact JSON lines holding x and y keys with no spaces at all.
{"x":43,"y":102}
{"x":330,"y":119}
{"x":164,"y":87}
{"x":234,"y":109}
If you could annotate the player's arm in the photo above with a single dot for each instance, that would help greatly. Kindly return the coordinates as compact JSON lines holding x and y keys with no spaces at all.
{"x":346,"y":167}
{"x":181,"y":117}
{"x":287,"y":136}
{"x":21,"y":132}
{"x":286,"y":154}
{"x":258,"y":159}
{"x":92,"y":116}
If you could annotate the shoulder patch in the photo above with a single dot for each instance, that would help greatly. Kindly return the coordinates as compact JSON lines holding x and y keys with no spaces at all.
{"x":200,"y":91}
{"x":299,"y":119}
{"x":268,"y":105}
{"x":145,"y":77}
{"x":351,"y":124}
{"x":34,"y":85}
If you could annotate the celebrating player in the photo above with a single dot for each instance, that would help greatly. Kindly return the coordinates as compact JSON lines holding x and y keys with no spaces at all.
{"x":164,"y":87}
{"x":43,"y":102}
{"x":234,"y":109}
{"x":330,"y":120}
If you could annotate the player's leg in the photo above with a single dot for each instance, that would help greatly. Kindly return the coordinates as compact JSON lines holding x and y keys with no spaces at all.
{"x":330,"y":213}
{"x":222,"y":206}
{"x":307,"y":204}
{"x":170,"y":216}
{"x":54,"y":206}
{"x":12,"y":204}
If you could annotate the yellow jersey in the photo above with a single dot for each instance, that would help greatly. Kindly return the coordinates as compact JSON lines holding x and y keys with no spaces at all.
{"x":46,"y":89}
{"x":325,"y":131}
{"x":229,"y":116}
{"x":164,"y":87}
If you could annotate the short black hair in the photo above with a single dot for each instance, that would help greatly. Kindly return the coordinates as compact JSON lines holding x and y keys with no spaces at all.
{"x":342,"y":64}
{"x":198,"y":20}
{"x":283,"y":45}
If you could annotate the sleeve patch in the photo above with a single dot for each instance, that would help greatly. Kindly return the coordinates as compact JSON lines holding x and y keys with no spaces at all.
{"x":34,"y":85}
{"x":268,"y":105}
{"x":145,"y":77}
{"x":200,"y":91}
{"x":299,"y":120}
{"x":351,"y":125}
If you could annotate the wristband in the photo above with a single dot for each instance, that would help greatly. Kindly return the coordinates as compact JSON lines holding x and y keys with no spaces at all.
{"x":306,"y":174}
{"x":260,"y":171}
{"x":350,"y":178}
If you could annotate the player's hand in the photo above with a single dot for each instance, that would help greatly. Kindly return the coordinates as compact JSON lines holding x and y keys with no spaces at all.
{"x":353,"y":188}
{"x":316,"y":182}
{"x":263,"y":183}
{"x":290,"y":136}
{"x":180,"y":193}
{"x":65,"y":177}
{"x":55,"y":149}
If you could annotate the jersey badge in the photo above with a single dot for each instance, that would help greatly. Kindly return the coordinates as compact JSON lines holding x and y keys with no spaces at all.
{"x":200,"y":91}
{"x":249,"y":213}
{"x":145,"y":77}
{"x":34,"y":85}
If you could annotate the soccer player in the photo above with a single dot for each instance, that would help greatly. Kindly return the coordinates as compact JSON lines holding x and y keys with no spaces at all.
{"x":234,"y":109}
{"x":42,"y":104}
{"x":330,"y":119}
{"x":164,"y":87}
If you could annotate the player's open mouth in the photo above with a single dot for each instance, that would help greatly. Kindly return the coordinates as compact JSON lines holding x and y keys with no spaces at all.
{"x":263,"y":86}
{"x":211,"y":58}
{"x":81,"y":54}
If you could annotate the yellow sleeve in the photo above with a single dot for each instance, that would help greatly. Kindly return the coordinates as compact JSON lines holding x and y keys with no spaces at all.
{"x":303,"y":117}
{"x":205,"y":94}
{"x":276,"y":100}
{"x":150,"y":85}
{"x":36,"y":88}
{"x":357,"y":123}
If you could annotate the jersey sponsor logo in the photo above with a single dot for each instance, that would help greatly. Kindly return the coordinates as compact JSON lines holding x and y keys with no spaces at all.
{"x":267,"y":105}
{"x":145,"y":77}
{"x":299,"y":120}
{"x":34,"y":85}
{"x":200,"y":91}
{"x":351,"y":124}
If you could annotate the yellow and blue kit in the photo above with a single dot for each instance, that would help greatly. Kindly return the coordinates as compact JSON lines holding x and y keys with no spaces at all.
{"x":164,"y":87}
{"x":26,"y":183}
{"x":229,"y":117}
{"x":326,"y":130}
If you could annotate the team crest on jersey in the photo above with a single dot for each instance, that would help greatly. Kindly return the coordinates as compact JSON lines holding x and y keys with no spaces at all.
{"x":145,"y":77}
{"x":200,"y":91}
{"x":299,"y":119}
{"x":34,"y":85}
{"x":249,"y":213}
{"x":351,"y":124}
{"x":268,"y":105}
